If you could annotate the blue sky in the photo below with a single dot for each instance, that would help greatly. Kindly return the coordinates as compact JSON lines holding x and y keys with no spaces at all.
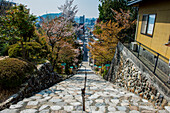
{"x":38,"y":7}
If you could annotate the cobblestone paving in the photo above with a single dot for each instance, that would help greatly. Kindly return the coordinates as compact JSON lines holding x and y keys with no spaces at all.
{"x":101,"y":97}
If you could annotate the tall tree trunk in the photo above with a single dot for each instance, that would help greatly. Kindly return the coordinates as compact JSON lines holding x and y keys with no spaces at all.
{"x":23,"y":50}
{"x":56,"y":59}
{"x":51,"y":60}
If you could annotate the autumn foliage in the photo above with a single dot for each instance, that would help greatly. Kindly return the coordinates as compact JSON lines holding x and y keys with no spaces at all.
{"x":108,"y":34}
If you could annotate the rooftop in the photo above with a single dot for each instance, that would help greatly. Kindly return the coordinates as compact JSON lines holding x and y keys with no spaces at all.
{"x":133,"y":2}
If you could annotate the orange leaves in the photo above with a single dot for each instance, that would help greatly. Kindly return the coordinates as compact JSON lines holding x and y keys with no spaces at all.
{"x":108,"y":34}
{"x":124,"y":18}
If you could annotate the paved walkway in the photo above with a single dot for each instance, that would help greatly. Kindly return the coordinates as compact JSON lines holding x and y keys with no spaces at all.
{"x":101,"y":97}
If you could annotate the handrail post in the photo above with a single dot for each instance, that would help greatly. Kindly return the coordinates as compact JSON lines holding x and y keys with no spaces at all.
{"x":84,"y":90}
{"x":139,"y":49}
{"x":157,"y":57}
{"x":129,"y":42}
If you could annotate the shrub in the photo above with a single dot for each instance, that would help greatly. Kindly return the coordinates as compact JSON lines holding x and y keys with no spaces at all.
{"x":3,"y":49}
{"x":13,"y":71}
{"x":105,"y":72}
{"x":33,"y":50}
{"x":14,"y":51}
{"x":67,"y":67}
{"x":96,"y":69}
{"x":59,"y":69}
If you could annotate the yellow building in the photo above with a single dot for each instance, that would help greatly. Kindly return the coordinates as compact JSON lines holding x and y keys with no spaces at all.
{"x":153,"y":28}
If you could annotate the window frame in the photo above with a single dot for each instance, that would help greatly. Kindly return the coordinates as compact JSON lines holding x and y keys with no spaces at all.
{"x":150,"y":35}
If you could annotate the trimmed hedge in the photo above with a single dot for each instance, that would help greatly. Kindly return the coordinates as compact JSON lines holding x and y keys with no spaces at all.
{"x":13,"y":72}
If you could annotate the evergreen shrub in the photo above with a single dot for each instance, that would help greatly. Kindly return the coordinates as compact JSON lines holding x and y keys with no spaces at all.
{"x":33,"y":50}
{"x":13,"y":72}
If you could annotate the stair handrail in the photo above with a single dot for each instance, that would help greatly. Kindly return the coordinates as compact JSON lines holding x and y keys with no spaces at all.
{"x":83,"y":90}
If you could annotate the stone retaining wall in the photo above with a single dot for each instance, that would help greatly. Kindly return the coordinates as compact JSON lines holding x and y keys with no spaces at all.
{"x":129,"y":72}
{"x":44,"y":78}
{"x":130,"y":77}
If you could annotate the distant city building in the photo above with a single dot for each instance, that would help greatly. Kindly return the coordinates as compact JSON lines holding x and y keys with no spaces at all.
{"x":82,"y":19}
{"x":88,"y":21}
{"x":77,"y":19}
{"x":93,"y":21}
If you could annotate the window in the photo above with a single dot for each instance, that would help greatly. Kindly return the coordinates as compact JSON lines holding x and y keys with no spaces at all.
{"x":144,"y":24}
{"x":148,"y":23}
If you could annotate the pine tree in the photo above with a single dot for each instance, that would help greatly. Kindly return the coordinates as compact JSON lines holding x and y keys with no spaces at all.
{"x":18,"y":26}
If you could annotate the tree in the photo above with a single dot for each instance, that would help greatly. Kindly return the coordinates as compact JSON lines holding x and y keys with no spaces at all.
{"x":56,"y":30}
{"x":18,"y":26}
{"x":34,"y":49}
{"x":59,"y":29}
{"x":108,"y":35}
{"x":4,"y":6}
{"x":68,"y":54}
{"x":68,"y":11}
{"x":125,"y":19}
{"x":105,"y":13}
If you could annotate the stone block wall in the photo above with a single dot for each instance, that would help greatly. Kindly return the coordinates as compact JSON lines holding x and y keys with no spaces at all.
{"x":129,"y":72}
{"x":44,"y":78}
{"x":130,"y":77}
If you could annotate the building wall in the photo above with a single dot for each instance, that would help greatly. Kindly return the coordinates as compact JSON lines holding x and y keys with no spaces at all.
{"x":161,"y":32}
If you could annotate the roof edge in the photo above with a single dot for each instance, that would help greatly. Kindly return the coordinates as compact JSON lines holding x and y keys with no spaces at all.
{"x":133,"y":2}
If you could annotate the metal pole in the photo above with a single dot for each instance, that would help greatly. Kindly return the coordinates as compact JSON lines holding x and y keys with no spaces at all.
{"x":84,"y":90}
{"x":83,"y":98}
{"x":156,"y":62}
{"x":93,"y":62}
{"x":129,"y":42}
{"x":139,"y":49}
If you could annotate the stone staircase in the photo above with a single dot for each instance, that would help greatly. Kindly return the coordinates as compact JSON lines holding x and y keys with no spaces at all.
{"x":88,"y":69}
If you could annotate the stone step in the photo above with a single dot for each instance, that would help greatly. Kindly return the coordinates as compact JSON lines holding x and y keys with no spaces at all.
{"x":167,"y":108}
{"x":83,"y":72}
{"x":101,"y":97}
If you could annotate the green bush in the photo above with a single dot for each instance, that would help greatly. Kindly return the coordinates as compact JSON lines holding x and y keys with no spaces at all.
{"x":13,"y":71}
{"x":67,"y":67}
{"x":105,"y":72}
{"x":3,"y":49}
{"x":33,"y":50}
{"x":14,"y":51}
{"x":96,"y":69}
{"x":58,"y":69}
